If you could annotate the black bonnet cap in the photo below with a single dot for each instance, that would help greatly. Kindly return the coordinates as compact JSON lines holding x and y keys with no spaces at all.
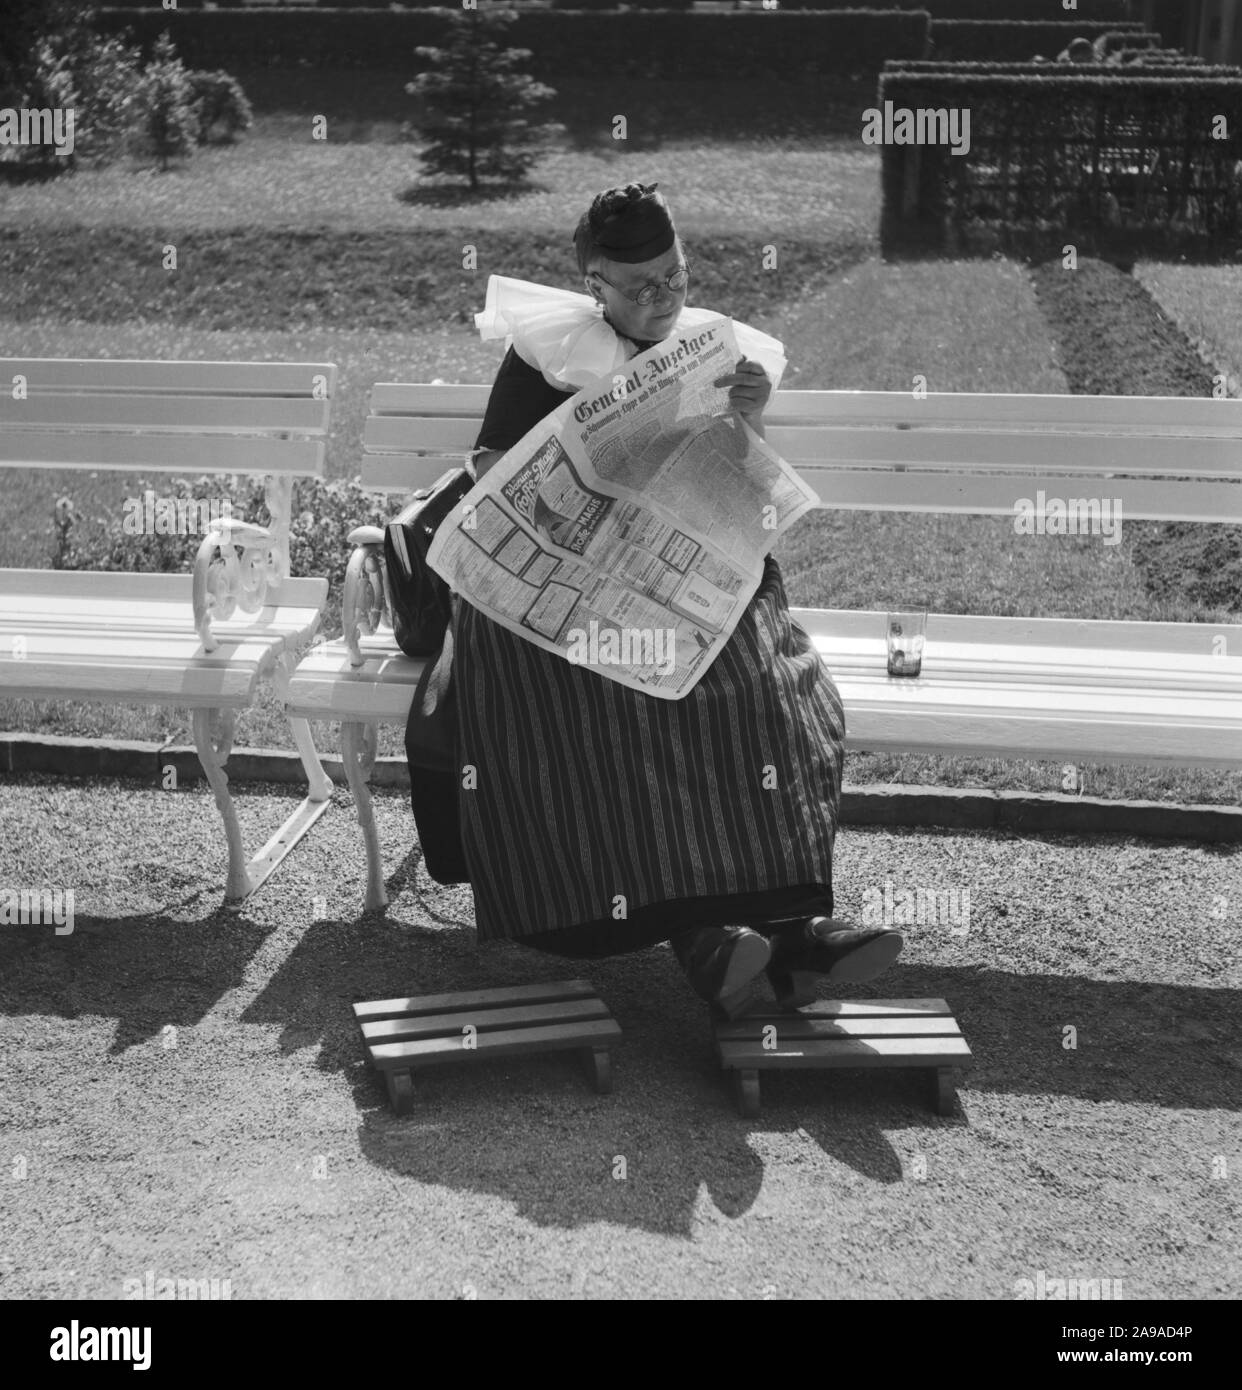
{"x":630,"y":224}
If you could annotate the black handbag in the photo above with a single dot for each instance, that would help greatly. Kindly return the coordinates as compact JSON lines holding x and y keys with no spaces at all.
{"x":420,"y":599}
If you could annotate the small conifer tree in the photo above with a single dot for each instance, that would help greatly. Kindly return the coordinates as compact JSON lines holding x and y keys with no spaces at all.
{"x":169,"y":120}
{"x":474,"y":97}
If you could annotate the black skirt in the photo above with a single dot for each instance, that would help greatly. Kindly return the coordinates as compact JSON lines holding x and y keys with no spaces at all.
{"x":596,"y":819}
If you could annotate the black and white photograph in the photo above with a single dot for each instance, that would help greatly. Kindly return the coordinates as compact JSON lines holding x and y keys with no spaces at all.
{"x":790,"y":850}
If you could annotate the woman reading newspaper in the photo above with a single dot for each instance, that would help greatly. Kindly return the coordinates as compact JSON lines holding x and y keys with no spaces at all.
{"x":604,"y":819}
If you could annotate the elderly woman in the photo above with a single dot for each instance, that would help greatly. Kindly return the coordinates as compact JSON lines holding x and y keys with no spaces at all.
{"x":604,"y":819}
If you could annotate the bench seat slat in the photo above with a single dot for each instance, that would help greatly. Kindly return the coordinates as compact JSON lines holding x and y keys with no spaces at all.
{"x":326,"y":686}
{"x":932,"y":693}
{"x":289,"y":622}
{"x":142,"y":376}
{"x":1016,"y":665}
{"x":1091,"y":635}
{"x":83,"y":646}
{"x":292,"y":614}
{"x":46,"y":645}
{"x":126,"y":585}
{"x":166,"y":413}
{"x":1163,"y":731}
{"x":962,"y":718}
{"x":132,"y":668}
{"x":133,"y":453}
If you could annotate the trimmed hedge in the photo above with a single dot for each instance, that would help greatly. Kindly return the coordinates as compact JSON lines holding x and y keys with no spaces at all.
{"x":1096,"y":11}
{"x":939,"y":9}
{"x":638,"y":44}
{"x":1148,"y":69}
{"x":1014,"y":41}
{"x":1055,"y":153}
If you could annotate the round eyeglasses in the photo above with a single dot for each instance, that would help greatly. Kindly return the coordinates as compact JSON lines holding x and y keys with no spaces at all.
{"x":678,"y":280}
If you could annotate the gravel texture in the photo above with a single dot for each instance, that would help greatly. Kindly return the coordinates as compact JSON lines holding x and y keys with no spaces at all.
{"x":185,"y":1091}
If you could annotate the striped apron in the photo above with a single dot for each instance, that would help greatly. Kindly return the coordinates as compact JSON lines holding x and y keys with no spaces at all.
{"x":610,"y":818}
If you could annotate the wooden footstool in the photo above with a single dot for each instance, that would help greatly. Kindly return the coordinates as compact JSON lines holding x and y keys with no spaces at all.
{"x":428,"y":1029}
{"x":833,"y":1033}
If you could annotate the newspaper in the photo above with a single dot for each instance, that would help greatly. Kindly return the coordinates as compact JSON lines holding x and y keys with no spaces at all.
{"x":627,"y":531}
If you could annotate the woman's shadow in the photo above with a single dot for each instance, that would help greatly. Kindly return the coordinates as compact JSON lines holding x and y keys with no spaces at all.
{"x":531,"y":1129}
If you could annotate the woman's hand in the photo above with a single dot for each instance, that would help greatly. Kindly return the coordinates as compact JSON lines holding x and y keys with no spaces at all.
{"x":484,"y":459}
{"x":750,"y":389}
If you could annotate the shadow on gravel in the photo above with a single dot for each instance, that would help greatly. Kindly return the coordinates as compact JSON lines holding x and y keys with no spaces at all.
{"x":532,"y":1132}
{"x":145,"y":972}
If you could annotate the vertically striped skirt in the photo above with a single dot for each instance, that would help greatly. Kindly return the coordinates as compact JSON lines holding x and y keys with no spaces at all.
{"x":611,"y":819}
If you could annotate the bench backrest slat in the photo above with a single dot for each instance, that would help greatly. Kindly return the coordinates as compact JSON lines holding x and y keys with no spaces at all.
{"x":134,"y":375}
{"x":1176,"y":415}
{"x":1008,"y":452}
{"x":405,"y":472}
{"x":1193,"y":416}
{"x":162,"y":453}
{"x":181,"y":414}
{"x":933,"y":492}
{"x":954,"y":450}
{"x":996,"y":494}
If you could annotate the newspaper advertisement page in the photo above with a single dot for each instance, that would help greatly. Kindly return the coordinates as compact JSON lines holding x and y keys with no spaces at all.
{"x":627,"y":530}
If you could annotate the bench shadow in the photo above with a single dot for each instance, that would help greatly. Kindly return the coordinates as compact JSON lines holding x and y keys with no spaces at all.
{"x":146,"y":972}
{"x":532,"y":1131}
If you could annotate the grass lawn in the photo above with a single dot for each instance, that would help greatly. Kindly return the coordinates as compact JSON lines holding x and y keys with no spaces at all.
{"x":320,"y":251}
{"x":274,"y":179}
{"x":1206,"y":303}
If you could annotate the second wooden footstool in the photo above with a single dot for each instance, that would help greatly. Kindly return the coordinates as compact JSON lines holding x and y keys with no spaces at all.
{"x":841,"y":1034}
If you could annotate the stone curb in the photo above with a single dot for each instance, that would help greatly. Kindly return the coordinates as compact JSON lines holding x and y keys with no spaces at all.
{"x":1043,"y":813}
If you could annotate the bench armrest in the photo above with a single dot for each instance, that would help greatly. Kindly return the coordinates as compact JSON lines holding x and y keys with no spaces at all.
{"x":227,"y":580}
{"x":366,"y":600}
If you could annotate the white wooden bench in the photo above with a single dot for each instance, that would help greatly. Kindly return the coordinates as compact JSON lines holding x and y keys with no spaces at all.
{"x":202,"y":640}
{"x":1039,"y":688}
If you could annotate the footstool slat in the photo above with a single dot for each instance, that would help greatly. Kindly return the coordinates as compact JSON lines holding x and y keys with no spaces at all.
{"x":543,"y":993}
{"x":482,"y":1020}
{"x":796,"y":1026}
{"x":849,"y":1052}
{"x":554,"y":1038}
{"x":867,"y":1008}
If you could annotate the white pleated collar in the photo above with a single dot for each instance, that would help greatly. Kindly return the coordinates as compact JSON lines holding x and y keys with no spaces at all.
{"x":565,"y":336}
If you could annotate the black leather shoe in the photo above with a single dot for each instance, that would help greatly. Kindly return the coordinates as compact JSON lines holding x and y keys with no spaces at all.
{"x":722,"y":963}
{"x":824,"y":948}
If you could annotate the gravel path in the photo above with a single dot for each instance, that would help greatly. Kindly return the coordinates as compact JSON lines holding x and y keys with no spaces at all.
{"x":185,"y":1091}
